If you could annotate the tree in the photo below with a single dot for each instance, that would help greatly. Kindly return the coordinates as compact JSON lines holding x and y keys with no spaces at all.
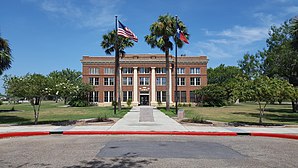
{"x":212,"y":95}
{"x":160,"y":33}
{"x":227,"y":78}
{"x":252,"y":65}
{"x":33,"y":87}
{"x":108,"y":43}
{"x":5,"y":55}
{"x":294,"y":32}
{"x":79,"y":96}
{"x":63,"y":83}
{"x":281,"y":55}
{"x":264,"y":90}
{"x":222,"y":74}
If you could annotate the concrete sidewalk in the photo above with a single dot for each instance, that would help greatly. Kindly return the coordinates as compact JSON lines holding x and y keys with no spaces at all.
{"x":146,"y":118}
{"x":135,"y":120}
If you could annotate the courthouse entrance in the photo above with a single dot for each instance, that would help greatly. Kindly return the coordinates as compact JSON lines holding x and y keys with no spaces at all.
{"x":144,"y":98}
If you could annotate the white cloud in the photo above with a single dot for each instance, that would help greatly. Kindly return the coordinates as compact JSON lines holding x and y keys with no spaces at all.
{"x":92,"y":14}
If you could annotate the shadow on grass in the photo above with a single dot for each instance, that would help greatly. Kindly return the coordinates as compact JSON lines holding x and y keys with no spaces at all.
{"x":290,"y":117}
{"x":13,"y":119}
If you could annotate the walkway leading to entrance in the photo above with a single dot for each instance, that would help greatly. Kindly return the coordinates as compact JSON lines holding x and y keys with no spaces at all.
{"x":146,"y":118}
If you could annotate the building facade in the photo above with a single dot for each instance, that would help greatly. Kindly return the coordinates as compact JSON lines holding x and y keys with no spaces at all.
{"x":143,"y":78}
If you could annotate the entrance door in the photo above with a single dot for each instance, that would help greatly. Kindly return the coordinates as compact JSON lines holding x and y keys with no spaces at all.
{"x":144,"y":99}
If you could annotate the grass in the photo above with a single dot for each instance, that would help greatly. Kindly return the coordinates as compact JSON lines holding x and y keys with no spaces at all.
{"x":242,"y":113}
{"x":53,"y":112}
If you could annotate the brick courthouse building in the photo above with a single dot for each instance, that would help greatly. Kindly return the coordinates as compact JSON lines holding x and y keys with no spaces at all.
{"x":143,"y":78}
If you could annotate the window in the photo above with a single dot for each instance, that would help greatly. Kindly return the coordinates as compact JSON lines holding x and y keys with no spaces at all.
{"x":93,"y":96}
{"x":195,"y":70}
{"x":144,"y":81}
{"x":161,"y":81}
{"x":94,"y":81}
{"x":181,"y":82}
{"x":181,"y":95}
{"x":127,"y":70}
{"x":94,"y":71}
{"x":108,"y":81}
{"x":144,"y":70}
{"x":193,"y":96}
{"x":160,"y":70}
{"x":109,"y":71}
{"x":127,"y":80}
{"x":195,"y":81}
{"x":161,"y":96}
{"x":180,"y":70}
{"x":108,"y":96}
{"x":127,"y":95}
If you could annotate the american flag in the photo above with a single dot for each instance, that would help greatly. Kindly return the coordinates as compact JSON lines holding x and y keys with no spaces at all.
{"x":126,"y":32}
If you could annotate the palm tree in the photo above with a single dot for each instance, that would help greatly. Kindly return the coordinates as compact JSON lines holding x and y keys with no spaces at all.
{"x":161,"y":32}
{"x":5,"y":55}
{"x":108,"y":43}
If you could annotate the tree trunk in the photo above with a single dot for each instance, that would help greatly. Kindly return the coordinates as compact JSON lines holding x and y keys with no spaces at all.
{"x":261,"y":114}
{"x":65,"y":100}
{"x":295,"y":106}
{"x":168,"y":80}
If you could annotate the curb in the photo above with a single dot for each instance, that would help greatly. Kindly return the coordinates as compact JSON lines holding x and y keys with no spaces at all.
{"x":18,"y":134}
{"x":148,"y":133}
{"x":274,"y":135}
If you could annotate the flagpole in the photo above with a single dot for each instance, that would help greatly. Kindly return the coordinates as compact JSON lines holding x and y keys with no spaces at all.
{"x":116,"y":60}
{"x":176,"y":68}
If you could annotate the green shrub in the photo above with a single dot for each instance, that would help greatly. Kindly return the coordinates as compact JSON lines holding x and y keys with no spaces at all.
{"x":198,"y":119}
{"x":1,"y":102}
{"x":102,"y":118}
{"x":128,"y":102}
{"x":78,"y":103}
{"x":114,"y":103}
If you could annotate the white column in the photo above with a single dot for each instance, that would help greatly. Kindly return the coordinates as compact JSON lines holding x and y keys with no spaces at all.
{"x":170,"y":86}
{"x":135,"y":87}
{"x":153,"y":91}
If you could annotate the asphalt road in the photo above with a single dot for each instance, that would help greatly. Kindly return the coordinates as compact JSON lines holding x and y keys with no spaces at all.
{"x":147,"y":151}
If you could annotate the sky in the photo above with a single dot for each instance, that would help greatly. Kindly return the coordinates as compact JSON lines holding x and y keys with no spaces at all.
{"x":49,"y":35}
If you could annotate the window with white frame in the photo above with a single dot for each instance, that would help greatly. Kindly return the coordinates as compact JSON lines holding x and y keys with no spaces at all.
{"x":94,"y":81}
{"x":127,"y":70}
{"x":127,"y":95}
{"x":108,"y":81}
{"x":181,"y":96}
{"x":161,"y":81}
{"x":108,"y":96}
{"x":195,"y":81}
{"x":93,"y":96}
{"x":94,"y":71}
{"x":109,"y":71}
{"x":193,"y":96}
{"x":144,"y":81}
{"x":195,"y":70}
{"x":127,"y":80}
{"x":160,"y":70}
{"x":180,"y":70}
{"x":161,"y":96}
{"x":144,"y":70}
{"x":181,"y":82}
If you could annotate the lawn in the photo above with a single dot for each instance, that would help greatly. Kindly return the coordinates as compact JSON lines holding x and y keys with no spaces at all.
{"x":53,"y":112}
{"x":243,"y":113}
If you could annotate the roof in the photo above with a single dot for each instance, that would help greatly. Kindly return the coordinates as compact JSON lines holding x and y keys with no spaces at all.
{"x":143,"y":58}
